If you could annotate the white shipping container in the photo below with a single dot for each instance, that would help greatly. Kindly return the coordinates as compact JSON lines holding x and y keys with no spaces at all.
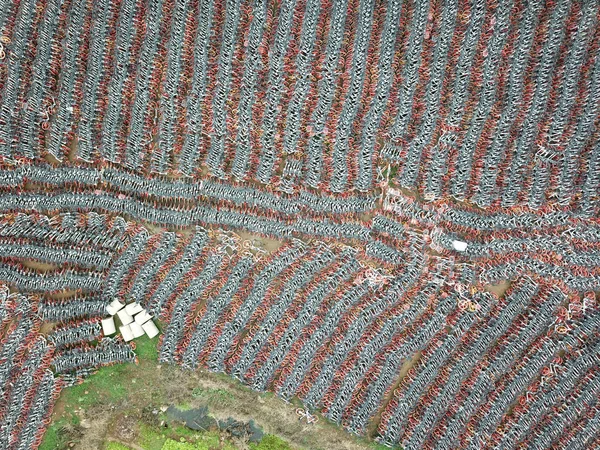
{"x":142,"y":317}
{"x":126,"y":332}
{"x":150,"y":329}
{"x":136,"y":330}
{"x":108,"y":326}
{"x":125,"y":318}
{"x":459,"y":245}
{"x":114,"y":307}
{"x":133,"y":308}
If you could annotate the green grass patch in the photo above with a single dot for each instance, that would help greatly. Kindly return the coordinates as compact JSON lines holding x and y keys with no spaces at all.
{"x":271,"y":442}
{"x":53,"y":438}
{"x":108,"y":384}
{"x":175,"y":430}
{"x":150,"y":439}
{"x":221,"y":393}
{"x":214,"y":396}
{"x":179,"y":437}
{"x":170,"y":444}
{"x":105,"y":386}
{"x":185,"y":406}
{"x":59,"y":433}
{"x":209,"y":440}
{"x":116,"y":446}
{"x":181,"y":431}
{"x":146,"y":348}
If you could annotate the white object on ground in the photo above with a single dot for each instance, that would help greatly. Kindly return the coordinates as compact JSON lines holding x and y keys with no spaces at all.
{"x":150,"y":329}
{"x":136,"y":330}
{"x":459,"y":245}
{"x":108,"y":326}
{"x":142,"y":317}
{"x":114,"y":307}
{"x":133,"y":308}
{"x":126,"y":332}
{"x":126,"y":319}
